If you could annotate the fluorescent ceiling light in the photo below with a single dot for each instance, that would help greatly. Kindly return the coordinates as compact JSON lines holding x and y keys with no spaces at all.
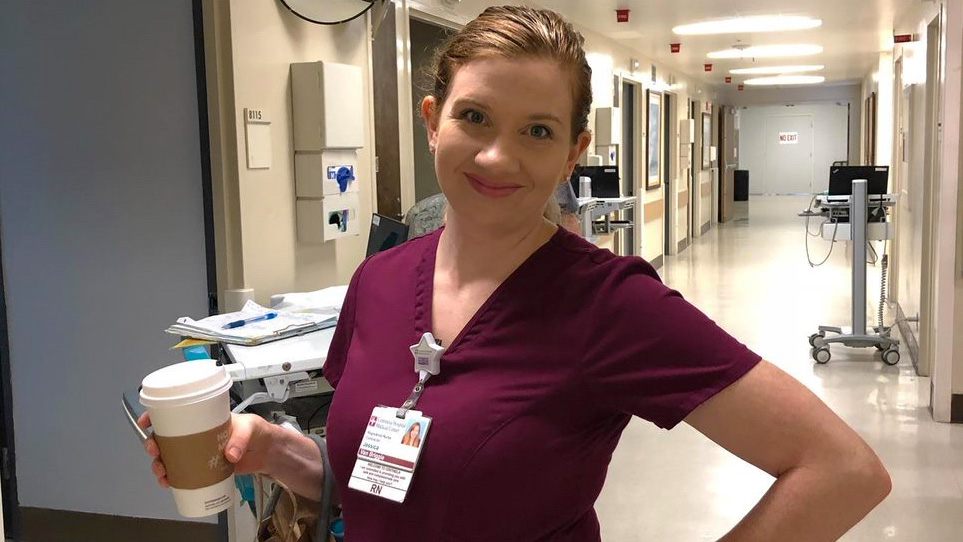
{"x":740,"y":25}
{"x":787,"y":80}
{"x":768,"y":51}
{"x":776,"y":70}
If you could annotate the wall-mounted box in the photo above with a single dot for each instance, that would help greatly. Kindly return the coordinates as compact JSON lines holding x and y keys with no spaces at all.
{"x":608,"y":126}
{"x":326,"y":219}
{"x":687,"y":131}
{"x":328,"y":106}
{"x":319,"y":174}
{"x":609,"y":154}
{"x":712,"y":153}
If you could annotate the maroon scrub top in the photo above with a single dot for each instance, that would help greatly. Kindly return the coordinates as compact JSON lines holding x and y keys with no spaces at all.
{"x":533,"y":394}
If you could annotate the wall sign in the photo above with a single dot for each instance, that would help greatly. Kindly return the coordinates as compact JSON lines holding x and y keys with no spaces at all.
{"x":788,"y":138}
{"x":257,"y":128}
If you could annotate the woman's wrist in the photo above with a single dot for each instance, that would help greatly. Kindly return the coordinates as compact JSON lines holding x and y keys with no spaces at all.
{"x":292,"y":459}
{"x":277,"y":441}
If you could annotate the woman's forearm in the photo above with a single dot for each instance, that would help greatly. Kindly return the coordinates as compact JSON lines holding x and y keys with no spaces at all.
{"x":808,"y":504}
{"x":295,"y":461}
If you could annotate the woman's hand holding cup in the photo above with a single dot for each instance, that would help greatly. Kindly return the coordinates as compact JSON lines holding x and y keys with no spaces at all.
{"x":248,"y":447}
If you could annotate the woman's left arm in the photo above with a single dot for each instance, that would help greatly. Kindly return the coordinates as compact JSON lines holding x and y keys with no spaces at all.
{"x":827,"y":477}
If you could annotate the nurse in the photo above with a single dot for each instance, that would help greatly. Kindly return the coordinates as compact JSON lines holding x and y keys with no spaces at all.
{"x":533,"y":348}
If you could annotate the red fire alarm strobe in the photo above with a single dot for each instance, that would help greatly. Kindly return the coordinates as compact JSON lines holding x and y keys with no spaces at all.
{"x":622,"y":15}
{"x":675,"y":47}
{"x":728,"y":79}
{"x":708,"y":67}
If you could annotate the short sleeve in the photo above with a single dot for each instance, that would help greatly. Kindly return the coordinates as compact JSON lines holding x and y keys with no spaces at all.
{"x":654,"y":355}
{"x":338,"y":351}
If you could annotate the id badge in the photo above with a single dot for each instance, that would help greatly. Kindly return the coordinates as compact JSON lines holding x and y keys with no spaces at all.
{"x":389,"y":453}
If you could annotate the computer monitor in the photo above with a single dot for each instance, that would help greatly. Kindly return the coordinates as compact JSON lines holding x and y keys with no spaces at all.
{"x":385,"y":233}
{"x":841,"y":179}
{"x":605,"y":180}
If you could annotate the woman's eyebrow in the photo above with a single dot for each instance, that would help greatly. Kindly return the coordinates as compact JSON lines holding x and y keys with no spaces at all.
{"x":462,"y":102}
{"x":545,"y":116}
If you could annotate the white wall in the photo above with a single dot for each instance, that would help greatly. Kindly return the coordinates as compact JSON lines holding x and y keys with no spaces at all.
{"x":829,"y":136}
{"x":907,"y":167}
{"x":948,"y":356}
{"x":946,"y":276}
{"x":265,"y":39}
{"x":103,"y":238}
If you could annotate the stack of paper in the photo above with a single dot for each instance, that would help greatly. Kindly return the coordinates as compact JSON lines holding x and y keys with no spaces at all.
{"x":285,"y":324}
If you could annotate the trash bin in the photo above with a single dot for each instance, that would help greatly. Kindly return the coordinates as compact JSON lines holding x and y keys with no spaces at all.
{"x":741,"y":190}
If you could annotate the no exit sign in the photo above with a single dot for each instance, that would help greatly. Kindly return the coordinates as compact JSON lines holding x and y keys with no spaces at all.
{"x":788,"y":138}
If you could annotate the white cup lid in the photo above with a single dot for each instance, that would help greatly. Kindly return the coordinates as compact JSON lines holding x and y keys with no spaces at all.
{"x":184,"y":383}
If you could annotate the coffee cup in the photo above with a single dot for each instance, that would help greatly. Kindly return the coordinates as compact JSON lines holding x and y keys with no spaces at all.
{"x":190,"y":414}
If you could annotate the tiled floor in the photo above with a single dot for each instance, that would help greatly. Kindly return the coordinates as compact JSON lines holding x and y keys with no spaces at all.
{"x":751,"y":277}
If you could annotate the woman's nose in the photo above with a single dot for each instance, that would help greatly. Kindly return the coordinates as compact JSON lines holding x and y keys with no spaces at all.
{"x":499,"y":154}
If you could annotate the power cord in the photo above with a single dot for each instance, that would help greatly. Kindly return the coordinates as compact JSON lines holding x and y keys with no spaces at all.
{"x":831,"y":244}
{"x":809,"y":210}
{"x":882,"y":286}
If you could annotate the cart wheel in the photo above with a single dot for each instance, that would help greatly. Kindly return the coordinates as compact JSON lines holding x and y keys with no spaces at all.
{"x":814,"y":336}
{"x":891,"y":356}
{"x":821,"y":355}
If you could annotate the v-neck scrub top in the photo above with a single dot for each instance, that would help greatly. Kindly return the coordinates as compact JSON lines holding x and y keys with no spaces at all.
{"x":533,"y":394}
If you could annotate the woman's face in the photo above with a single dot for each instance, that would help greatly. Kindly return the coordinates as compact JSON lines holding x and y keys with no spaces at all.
{"x":503,"y":140}
{"x":415,"y":431}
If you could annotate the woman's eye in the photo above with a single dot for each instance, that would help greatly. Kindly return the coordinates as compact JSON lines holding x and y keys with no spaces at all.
{"x":540,"y":132}
{"x":473,"y":116}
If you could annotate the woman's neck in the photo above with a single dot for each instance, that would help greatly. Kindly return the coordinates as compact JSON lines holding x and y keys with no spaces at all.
{"x":467,"y":253}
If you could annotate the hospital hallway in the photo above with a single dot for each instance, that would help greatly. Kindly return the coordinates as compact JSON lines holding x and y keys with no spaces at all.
{"x":751,"y":277}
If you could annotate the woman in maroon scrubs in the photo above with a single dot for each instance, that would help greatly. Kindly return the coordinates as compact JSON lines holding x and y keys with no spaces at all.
{"x":552,"y":344}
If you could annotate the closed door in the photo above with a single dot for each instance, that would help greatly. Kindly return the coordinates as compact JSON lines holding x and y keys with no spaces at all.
{"x":789,"y":154}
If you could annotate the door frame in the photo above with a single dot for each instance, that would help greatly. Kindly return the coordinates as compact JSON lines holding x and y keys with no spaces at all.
{"x":931,"y":195}
{"x":12,"y":524}
{"x":629,"y":241}
{"x":637,"y":214}
{"x":695,"y":168}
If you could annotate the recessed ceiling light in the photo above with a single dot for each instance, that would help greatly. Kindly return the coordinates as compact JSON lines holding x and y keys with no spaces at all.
{"x":787,"y":80}
{"x":768,"y":51}
{"x":739,"y":25}
{"x":776,"y":70}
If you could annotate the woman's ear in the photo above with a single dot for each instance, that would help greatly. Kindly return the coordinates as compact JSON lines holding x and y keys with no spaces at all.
{"x":430,"y":112}
{"x":581,"y":143}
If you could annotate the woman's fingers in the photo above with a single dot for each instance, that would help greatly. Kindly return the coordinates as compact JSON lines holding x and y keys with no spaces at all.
{"x":241,"y":433}
{"x":158,"y":468}
{"x":160,"y":472}
{"x":150,"y":445}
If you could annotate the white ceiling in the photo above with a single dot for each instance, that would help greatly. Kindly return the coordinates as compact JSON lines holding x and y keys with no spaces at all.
{"x":852,"y":35}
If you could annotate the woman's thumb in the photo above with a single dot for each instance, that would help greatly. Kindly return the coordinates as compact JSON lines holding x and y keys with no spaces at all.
{"x":240,"y":438}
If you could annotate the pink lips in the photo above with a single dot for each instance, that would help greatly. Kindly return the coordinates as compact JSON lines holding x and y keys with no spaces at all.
{"x":488,"y":188}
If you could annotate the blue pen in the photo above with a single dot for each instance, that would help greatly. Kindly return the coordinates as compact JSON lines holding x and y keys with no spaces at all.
{"x":245,"y":321}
